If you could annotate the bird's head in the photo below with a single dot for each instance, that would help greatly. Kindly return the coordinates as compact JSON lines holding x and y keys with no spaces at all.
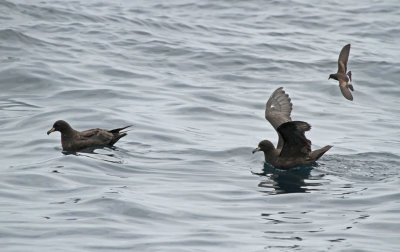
{"x":333,"y":76}
{"x":264,"y":146}
{"x":61,"y":126}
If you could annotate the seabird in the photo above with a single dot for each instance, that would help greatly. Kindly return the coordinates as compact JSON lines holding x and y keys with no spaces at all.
{"x":73,"y":140}
{"x":341,"y":75}
{"x":293,"y":148}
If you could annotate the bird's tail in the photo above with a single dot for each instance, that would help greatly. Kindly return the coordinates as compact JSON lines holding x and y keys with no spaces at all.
{"x":118,"y":134}
{"x":114,"y":131}
{"x":315,"y":155}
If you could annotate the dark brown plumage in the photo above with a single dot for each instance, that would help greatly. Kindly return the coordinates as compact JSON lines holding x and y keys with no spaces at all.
{"x":341,"y":75}
{"x":293,"y":148}
{"x":73,"y":140}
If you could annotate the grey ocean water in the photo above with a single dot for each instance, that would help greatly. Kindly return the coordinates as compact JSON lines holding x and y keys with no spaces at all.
{"x":193,"y":77}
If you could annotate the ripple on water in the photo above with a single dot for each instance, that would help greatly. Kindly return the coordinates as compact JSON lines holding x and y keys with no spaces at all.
{"x":193,"y":79}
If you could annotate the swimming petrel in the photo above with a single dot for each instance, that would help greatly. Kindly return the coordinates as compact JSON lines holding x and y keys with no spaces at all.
{"x":293,"y":149}
{"x":73,"y":140}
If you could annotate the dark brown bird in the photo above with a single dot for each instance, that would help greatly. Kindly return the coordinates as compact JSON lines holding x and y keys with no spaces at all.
{"x":341,"y":75}
{"x":73,"y":140}
{"x":293,"y":149}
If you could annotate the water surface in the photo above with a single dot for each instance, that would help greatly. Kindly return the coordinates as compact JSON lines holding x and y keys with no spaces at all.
{"x":193,"y":77}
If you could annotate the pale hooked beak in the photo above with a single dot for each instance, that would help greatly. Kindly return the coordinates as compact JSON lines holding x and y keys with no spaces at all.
{"x":51,"y":130}
{"x":256,"y":149}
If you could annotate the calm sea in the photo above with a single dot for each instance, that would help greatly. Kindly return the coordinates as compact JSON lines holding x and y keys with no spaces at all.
{"x":193,"y":78}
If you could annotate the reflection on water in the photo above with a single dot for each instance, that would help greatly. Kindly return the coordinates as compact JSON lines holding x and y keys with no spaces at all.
{"x":286,"y":181}
{"x":107,"y":154}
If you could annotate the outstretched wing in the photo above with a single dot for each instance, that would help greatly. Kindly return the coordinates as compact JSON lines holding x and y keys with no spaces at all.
{"x":278,"y":109}
{"x":344,"y":88}
{"x":295,"y":142}
{"x":343,"y":58}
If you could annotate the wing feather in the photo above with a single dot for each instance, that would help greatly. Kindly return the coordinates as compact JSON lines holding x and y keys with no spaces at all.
{"x":343,"y":58}
{"x":94,"y":137}
{"x":296,"y":144}
{"x":278,"y":110}
{"x":344,"y":88}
